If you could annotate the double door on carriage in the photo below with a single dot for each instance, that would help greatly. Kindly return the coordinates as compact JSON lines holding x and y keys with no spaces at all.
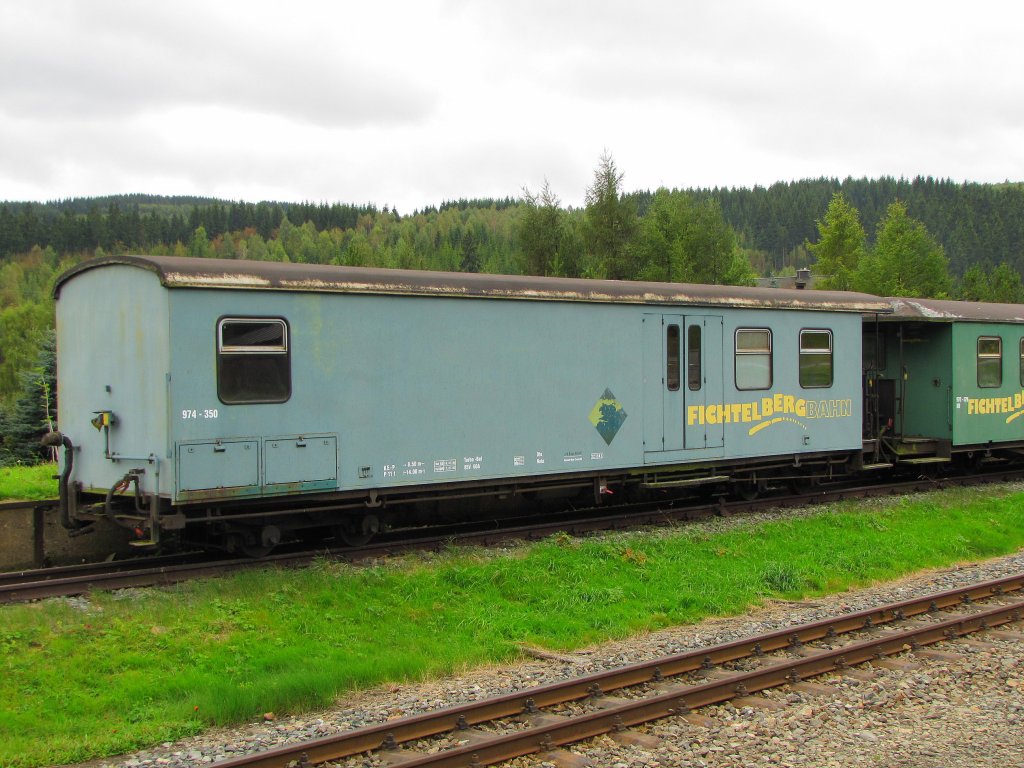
{"x":682,"y":358}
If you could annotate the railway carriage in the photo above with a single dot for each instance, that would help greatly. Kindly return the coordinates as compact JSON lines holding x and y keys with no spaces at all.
{"x":945,"y":381}
{"x":250,"y":398}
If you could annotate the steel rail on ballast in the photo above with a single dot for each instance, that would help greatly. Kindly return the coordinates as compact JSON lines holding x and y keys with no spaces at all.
{"x":675,"y":699}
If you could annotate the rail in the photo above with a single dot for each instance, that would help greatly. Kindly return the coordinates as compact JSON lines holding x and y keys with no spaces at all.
{"x":544,"y":732}
{"x":141,"y":572}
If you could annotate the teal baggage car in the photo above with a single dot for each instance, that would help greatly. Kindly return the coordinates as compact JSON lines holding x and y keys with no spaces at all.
{"x":243,"y":401}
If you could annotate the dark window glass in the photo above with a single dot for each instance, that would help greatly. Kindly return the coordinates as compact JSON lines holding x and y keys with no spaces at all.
{"x":672,"y":367}
{"x":253,"y":361}
{"x":815,"y":358}
{"x":694,"y":378}
{"x":990,"y":361}
{"x":753,"y":358}
{"x":252,"y":336}
{"x":1022,"y":362}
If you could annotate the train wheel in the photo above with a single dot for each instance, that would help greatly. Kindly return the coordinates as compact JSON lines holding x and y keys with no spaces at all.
{"x":256,"y":543}
{"x":750,"y":490}
{"x":255,"y":552}
{"x":358,"y":532}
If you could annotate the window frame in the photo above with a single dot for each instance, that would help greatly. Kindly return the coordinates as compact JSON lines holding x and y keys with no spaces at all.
{"x":801,"y":352}
{"x":694,"y":383}
{"x":1022,"y":362}
{"x":989,"y":356}
{"x":229,"y":351}
{"x":673,"y":357}
{"x":769,"y":353}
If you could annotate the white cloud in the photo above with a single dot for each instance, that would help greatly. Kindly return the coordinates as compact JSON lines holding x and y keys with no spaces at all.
{"x":412,"y":103}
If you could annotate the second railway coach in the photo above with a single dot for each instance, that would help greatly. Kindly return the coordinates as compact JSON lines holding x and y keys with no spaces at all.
{"x":946,"y":378}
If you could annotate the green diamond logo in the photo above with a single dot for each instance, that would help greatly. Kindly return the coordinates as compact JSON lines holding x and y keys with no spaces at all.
{"x":607,"y":416}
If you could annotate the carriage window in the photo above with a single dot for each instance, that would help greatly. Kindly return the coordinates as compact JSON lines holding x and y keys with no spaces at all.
{"x":753,"y":358}
{"x":253,"y":361}
{"x":672,"y":372}
{"x":990,"y":361}
{"x":694,"y":378}
{"x":1022,"y":362}
{"x":815,"y":358}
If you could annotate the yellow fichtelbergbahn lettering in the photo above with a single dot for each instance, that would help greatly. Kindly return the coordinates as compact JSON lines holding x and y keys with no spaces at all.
{"x":989,"y":406}
{"x":776,"y":409}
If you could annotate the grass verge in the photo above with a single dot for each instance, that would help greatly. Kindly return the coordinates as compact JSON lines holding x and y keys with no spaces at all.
{"x":86,"y":678}
{"x":31,"y":482}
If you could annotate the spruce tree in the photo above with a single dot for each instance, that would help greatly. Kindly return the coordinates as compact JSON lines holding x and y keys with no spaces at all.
{"x":906,"y":260}
{"x":34,"y":412}
{"x":611,"y":222}
{"x":840,"y":245}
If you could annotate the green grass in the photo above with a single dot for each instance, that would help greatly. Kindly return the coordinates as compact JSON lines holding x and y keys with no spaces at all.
{"x":85,"y":679}
{"x":32,"y":482}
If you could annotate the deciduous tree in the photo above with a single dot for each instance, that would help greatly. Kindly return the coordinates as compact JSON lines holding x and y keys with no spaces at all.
{"x":199,"y":245}
{"x":974,"y":285}
{"x":540,"y":232}
{"x":1006,"y":285}
{"x":686,"y":240}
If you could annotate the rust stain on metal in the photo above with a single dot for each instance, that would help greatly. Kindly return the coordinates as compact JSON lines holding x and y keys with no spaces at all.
{"x":220,"y":280}
{"x":240,"y":491}
{"x":178,"y":272}
{"x":941,"y":310}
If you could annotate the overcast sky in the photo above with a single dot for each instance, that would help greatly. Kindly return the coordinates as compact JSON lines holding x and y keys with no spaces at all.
{"x":412,"y":103}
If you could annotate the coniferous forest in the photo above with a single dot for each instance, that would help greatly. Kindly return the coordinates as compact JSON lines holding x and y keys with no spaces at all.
{"x":918,"y":237}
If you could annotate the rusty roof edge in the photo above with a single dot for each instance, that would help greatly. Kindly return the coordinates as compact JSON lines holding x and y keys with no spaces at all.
{"x":948,"y":310}
{"x":389,"y":288}
{"x":178,"y":272}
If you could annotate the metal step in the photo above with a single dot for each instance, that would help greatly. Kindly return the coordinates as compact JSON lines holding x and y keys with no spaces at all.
{"x":927,"y":460}
{"x":876,"y":466}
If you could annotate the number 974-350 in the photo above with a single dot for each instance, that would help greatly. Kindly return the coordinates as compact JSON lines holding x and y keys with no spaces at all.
{"x":194,"y":413}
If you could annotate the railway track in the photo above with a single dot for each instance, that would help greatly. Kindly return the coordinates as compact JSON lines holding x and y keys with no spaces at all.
{"x":64,"y":581}
{"x":27,"y":585}
{"x":543,"y":719}
{"x":12,"y":506}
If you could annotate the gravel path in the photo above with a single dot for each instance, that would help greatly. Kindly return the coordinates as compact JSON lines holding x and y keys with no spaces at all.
{"x":935,"y":713}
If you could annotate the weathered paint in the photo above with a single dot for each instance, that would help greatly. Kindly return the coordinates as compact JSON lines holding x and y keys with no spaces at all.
{"x":176,"y":272}
{"x":113,"y":337}
{"x":944,"y":311}
{"x":440,"y":386}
